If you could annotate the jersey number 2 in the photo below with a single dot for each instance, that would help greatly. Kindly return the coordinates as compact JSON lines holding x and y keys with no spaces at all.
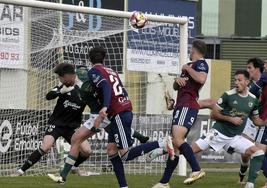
{"x":116,"y":85}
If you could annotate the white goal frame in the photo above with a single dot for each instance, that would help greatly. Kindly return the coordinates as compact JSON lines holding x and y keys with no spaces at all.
{"x":182,"y":21}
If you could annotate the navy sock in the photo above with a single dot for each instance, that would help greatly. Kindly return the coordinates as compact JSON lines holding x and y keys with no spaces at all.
{"x":264,"y":165}
{"x":170,"y":167}
{"x":187,"y":151}
{"x":118,"y":169}
{"x":140,"y":150}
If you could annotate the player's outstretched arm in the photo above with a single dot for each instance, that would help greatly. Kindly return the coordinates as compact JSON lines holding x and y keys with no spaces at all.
{"x":218,"y":116}
{"x":207,"y":103}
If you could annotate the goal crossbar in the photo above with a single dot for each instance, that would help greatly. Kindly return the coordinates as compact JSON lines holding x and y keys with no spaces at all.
{"x":90,"y":10}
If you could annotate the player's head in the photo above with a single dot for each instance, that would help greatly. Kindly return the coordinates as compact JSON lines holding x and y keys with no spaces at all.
{"x":241,"y":80}
{"x":265,"y":65}
{"x":66,"y":73}
{"x":255,"y":67}
{"x":198,"y":50}
{"x":97,"y":55}
{"x":81,"y":72}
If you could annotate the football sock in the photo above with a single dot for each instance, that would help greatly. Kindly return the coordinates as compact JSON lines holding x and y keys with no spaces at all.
{"x":187,"y":151}
{"x":140,"y":137}
{"x":139,"y":150}
{"x":32,"y":159}
{"x":69,"y":162}
{"x":118,"y":169}
{"x":80,"y":160}
{"x":255,"y":165}
{"x":170,"y":167}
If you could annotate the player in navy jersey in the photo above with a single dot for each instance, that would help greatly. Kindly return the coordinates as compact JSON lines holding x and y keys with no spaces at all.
{"x":66,"y":117}
{"x":118,"y":108}
{"x":115,"y":105}
{"x":261,"y":139}
{"x":192,"y":79}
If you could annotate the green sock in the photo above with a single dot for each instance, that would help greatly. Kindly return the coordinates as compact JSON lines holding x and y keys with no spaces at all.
{"x":70,"y":161}
{"x":255,"y":165}
{"x":140,"y":137}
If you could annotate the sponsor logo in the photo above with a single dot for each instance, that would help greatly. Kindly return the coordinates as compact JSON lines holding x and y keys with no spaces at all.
{"x":74,"y":106}
{"x":5,"y":136}
{"x":202,"y":67}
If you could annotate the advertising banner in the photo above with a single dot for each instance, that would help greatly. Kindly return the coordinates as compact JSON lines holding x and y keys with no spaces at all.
{"x":12,"y":36}
{"x":22,"y":132}
{"x":155,"y":48}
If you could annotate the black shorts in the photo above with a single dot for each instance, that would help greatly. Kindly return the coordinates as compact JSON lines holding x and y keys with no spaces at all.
{"x":57,"y":131}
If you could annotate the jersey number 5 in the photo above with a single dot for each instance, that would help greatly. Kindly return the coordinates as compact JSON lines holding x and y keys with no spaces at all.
{"x":116,"y":85}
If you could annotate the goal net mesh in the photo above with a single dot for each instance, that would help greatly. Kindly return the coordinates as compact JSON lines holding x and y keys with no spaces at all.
{"x":48,"y":37}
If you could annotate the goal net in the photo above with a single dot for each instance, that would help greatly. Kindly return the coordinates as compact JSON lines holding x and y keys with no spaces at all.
{"x":34,"y":40}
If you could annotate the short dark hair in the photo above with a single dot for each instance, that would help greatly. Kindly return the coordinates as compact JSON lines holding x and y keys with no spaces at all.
{"x":257,"y":63}
{"x":200,"y":46}
{"x":97,"y":54}
{"x":244,"y":72}
{"x":64,"y":68}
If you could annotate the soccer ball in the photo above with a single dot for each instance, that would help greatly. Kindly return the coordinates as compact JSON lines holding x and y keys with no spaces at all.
{"x":138,"y":19}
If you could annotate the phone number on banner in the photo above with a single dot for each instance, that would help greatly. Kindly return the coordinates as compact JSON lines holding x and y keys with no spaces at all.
{"x":9,"y":56}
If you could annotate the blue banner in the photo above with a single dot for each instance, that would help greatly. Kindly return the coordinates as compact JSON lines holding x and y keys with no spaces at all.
{"x":155,"y":47}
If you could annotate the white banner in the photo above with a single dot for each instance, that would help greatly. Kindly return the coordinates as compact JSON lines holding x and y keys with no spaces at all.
{"x":12,"y":36}
{"x":152,"y":61}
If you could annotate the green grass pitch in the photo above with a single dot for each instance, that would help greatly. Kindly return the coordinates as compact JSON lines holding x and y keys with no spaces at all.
{"x":212,"y":180}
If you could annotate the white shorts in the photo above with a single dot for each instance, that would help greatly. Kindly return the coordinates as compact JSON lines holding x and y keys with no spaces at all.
{"x":90,"y":122}
{"x":218,"y":141}
{"x":250,"y":129}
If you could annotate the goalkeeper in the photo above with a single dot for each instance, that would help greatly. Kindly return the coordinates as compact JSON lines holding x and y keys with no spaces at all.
{"x":66,"y":117}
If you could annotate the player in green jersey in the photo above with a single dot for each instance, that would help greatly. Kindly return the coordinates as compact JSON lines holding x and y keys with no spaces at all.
{"x":230,"y":113}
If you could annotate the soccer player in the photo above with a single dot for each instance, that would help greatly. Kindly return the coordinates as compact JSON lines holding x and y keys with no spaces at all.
{"x":115,"y":105}
{"x":66,"y":117}
{"x":192,"y":79}
{"x":230,"y":114}
{"x":261,"y":140}
{"x":255,"y":69}
{"x":170,"y":104}
{"x":89,"y":96}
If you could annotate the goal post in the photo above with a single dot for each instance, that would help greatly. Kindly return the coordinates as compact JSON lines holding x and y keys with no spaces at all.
{"x":53,"y":36}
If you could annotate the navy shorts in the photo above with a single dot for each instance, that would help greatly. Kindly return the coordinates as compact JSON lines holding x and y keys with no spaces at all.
{"x":262,"y":135}
{"x":120,"y":130}
{"x":184,"y":116}
{"x":57,"y":131}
